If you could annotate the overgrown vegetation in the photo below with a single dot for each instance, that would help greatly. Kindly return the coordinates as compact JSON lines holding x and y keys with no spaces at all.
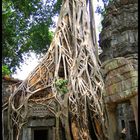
{"x":5,"y":71}
{"x":26,"y":27}
{"x":75,"y":100}
{"x":61,"y":85}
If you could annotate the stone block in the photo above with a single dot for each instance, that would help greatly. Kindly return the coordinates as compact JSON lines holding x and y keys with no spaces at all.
{"x":42,"y":122}
{"x":118,"y":77}
{"x":120,"y":87}
{"x":124,"y":2}
{"x":123,"y":96}
{"x":39,"y":111}
{"x":119,"y":71}
{"x":118,"y":65}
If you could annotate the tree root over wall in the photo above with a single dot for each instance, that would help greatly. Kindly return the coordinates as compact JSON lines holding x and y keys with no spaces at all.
{"x":67,"y":81}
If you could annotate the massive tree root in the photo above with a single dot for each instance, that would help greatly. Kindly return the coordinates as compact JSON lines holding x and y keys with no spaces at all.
{"x":67,"y":81}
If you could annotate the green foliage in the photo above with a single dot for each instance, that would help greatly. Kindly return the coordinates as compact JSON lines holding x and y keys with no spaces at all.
{"x":5,"y":71}
{"x":25,"y":27}
{"x":61,"y":85}
{"x":38,"y":35}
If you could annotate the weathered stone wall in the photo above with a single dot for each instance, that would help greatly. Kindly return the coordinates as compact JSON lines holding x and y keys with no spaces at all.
{"x":119,"y":36}
{"x":121,"y":80}
{"x":119,"y":43}
{"x":38,"y":116}
{"x":8,"y":87}
{"x":121,"y":85}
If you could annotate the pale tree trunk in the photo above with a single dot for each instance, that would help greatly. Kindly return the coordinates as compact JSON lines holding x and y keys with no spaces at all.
{"x":72,"y":56}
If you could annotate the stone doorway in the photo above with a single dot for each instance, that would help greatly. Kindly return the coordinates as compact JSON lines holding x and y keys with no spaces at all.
{"x":40,"y":134}
{"x":125,"y":119}
{"x":39,"y":129}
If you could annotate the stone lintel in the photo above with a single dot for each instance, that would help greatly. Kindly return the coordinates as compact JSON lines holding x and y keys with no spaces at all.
{"x":122,"y":86}
{"x":117,"y":63}
{"x":123,"y":96}
{"x":117,"y":77}
{"x":42,"y":122}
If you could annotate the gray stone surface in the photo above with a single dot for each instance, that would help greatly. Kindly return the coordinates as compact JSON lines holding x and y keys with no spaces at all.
{"x":41,"y":122}
{"x":47,"y":124}
{"x":121,"y":79}
{"x":8,"y":87}
{"x":119,"y":36}
{"x":119,"y":57}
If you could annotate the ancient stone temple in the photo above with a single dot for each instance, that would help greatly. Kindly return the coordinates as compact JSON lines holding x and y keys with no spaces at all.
{"x":65,"y":97}
{"x":119,"y":42}
{"x":37,"y":128}
{"x":62,"y":98}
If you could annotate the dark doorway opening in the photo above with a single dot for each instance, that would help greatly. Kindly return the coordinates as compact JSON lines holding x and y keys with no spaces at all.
{"x":41,"y":134}
{"x":133,"y":132}
{"x":123,"y":124}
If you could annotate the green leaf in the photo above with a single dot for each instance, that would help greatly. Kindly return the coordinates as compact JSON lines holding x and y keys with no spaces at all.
{"x":5,"y":70}
{"x":25,"y":27}
{"x":61,"y":85}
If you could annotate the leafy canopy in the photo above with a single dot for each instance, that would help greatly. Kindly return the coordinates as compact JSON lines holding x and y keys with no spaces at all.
{"x":26,"y":27}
